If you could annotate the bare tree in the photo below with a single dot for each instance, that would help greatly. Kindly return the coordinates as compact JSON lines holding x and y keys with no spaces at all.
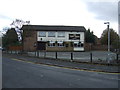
{"x":17,"y":24}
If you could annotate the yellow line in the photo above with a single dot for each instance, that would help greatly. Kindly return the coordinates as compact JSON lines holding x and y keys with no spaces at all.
{"x":22,"y":60}
{"x":16,"y":59}
{"x":65,"y":67}
{"x":90,"y":70}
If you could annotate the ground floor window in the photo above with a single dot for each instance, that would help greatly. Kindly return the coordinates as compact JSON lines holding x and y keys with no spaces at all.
{"x":51,"y":44}
{"x":82,"y":44}
{"x":60,"y":44}
{"x":78,"y":44}
{"x":63,"y":44}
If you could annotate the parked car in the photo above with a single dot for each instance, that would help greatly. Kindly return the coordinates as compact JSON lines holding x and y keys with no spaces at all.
{"x":3,"y":49}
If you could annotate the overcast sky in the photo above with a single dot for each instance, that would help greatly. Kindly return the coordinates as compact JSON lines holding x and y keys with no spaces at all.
{"x":89,"y":13}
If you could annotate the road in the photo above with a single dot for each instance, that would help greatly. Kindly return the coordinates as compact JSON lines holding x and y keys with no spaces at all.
{"x":20,"y":74}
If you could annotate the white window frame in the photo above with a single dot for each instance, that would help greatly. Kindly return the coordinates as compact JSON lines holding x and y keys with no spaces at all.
{"x":51,"y":34}
{"x":60,"y":44}
{"x":41,"y":35}
{"x":60,"y":34}
{"x":51,"y":44}
{"x":78,"y":44}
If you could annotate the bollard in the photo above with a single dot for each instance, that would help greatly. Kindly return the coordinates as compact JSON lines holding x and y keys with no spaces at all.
{"x":56,"y":55}
{"x":71,"y":56}
{"x":91,"y":57}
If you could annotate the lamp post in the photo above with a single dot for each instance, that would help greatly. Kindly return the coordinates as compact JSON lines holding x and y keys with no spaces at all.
{"x":108,"y":35}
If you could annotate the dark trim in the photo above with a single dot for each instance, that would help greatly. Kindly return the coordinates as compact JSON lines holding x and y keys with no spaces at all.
{"x":53,"y":28}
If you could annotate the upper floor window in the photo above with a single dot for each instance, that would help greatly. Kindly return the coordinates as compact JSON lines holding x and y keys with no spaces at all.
{"x":61,"y":34}
{"x":51,"y":34}
{"x":42,"y":34}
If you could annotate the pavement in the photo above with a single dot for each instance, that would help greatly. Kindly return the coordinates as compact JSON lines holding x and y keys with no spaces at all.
{"x":68,"y":64}
{"x":97,"y":56}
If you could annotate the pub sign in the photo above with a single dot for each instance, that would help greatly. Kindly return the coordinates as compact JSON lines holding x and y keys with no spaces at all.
{"x":74,"y":36}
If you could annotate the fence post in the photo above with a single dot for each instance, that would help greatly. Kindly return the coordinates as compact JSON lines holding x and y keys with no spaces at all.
{"x":71,"y":56}
{"x":91,"y":57}
{"x":37,"y":53}
{"x":56,"y":55}
{"x":44,"y":54}
{"x":117,"y":57}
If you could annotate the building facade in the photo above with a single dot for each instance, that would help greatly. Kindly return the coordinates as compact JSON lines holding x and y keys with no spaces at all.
{"x":53,"y":38}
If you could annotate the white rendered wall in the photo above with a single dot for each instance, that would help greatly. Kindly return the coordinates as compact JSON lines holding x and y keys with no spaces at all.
{"x":78,"y":49}
{"x":66,"y":38}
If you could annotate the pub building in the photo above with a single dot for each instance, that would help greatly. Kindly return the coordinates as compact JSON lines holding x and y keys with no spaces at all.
{"x":53,"y":38}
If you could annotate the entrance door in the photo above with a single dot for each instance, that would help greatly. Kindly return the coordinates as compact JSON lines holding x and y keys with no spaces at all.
{"x":41,"y":45}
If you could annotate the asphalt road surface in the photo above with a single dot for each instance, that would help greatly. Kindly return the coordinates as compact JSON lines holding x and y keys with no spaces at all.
{"x":20,"y":74}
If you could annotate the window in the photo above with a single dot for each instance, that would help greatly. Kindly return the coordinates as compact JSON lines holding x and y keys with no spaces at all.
{"x":61,"y":34}
{"x":82,"y":44}
{"x":77,"y":44}
{"x":51,"y":43}
{"x":51,"y":34}
{"x":42,"y":34}
{"x":60,"y":43}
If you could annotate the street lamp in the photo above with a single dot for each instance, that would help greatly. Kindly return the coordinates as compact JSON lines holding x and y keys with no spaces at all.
{"x":108,"y":35}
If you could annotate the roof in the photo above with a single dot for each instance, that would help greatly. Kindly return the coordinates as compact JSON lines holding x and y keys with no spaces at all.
{"x":53,"y":28}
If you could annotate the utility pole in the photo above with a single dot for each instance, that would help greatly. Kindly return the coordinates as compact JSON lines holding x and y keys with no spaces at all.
{"x":108,"y":35}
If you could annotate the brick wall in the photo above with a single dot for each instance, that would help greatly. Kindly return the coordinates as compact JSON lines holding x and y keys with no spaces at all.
{"x":15,"y":48}
{"x":89,"y":47}
{"x":29,"y":40}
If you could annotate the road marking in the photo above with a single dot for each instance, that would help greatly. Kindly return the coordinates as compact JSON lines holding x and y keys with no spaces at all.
{"x":64,"y":67}
{"x":16,"y":59}
{"x":22,"y":60}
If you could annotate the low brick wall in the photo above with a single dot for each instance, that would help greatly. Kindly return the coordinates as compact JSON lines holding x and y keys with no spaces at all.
{"x":100,"y":47}
{"x":59,"y":48}
{"x":89,"y":47}
{"x":15,"y":48}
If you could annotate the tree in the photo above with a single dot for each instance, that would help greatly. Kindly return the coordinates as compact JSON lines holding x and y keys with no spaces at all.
{"x":114,"y":38}
{"x":10,"y":38}
{"x":17,"y":24}
{"x":13,"y":35}
{"x":90,"y":37}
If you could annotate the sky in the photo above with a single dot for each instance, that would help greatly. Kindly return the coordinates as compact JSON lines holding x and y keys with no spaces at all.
{"x":88,"y":13}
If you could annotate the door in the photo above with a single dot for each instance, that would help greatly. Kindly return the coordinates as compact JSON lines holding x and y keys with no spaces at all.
{"x":41,"y":45}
